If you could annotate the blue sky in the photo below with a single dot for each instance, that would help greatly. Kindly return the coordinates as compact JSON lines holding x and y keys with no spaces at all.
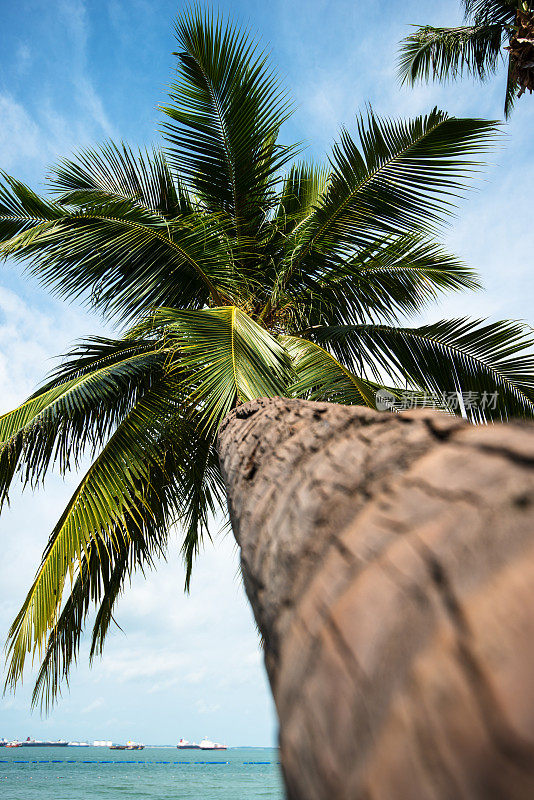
{"x":74,"y":73}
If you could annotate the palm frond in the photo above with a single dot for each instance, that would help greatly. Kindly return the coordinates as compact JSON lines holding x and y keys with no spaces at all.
{"x":78,"y":407}
{"x":496,"y":11}
{"x":226,"y":108}
{"x":22,"y":210}
{"x":320,"y":376}
{"x":492,"y":360}
{"x":110,"y":172}
{"x":202,"y":492}
{"x":101,"y":577}
{"x":126,"y":258}
{"x":109,"y":499}
{"x":512,"y":90}
{"x":232,"y":359}
{"x":392,"y":277}
{"x":400,"y":179}
{"x":301,"y":193}
{"x":183,"y":486}
{"x":443,"y":53}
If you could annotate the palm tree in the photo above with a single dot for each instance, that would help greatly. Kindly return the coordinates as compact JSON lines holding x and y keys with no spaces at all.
{"x":235,"y":272}
{"x":492,"y":26}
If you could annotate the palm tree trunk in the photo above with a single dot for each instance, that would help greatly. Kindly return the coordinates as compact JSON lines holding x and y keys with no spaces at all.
{"x":521,"y":49}
{"x":389,"y":561}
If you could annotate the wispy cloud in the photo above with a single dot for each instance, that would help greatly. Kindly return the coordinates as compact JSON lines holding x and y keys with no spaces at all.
{"x":28,"y":338}
{"x":20,"y":136}
{"x":35,"y":132}
{"x":75,"y":18}
{"x":23,"y":59}
{"x":94,"y":706}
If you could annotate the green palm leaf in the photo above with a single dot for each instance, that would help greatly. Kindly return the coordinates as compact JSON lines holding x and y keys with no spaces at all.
{"x":232,"y":358}
{"x":400,"y":180}
{"x":320,"y":376}
{"x":185,"y":488}
{"x":124,"y":254}
{"x":303,"y":189}
{"x":107,"y":501}
{"x":392,"y":277}
{"x":79,"y":407}
{"x":441,"y":53}
{"x":113,"y":172}
{"x":101,"y":578}
{"x":450,"y":356}
{"x":226,"y":108}
{"x":22,"y":210}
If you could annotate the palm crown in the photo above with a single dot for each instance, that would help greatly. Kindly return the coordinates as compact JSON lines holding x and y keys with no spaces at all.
{"x":233,"y":281}
{"x":493,"y":26}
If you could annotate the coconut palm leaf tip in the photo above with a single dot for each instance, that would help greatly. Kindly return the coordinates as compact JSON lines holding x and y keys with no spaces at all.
{"x":495,"y":31}
{"x":239,"y":272}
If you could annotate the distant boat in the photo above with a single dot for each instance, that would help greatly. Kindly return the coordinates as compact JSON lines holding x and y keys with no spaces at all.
{"x":14,"y":744}
{"x":128,"y":746}
{"x":183,"y":744}
{"x":206,"y":744}
{"x":3,"y":742}
{"x":40,"y":743}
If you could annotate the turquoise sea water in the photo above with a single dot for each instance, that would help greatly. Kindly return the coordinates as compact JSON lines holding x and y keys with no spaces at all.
{"x":95,"y":773}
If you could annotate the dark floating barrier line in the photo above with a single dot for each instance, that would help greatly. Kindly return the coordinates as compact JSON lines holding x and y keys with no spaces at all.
{"x":133,"y":761}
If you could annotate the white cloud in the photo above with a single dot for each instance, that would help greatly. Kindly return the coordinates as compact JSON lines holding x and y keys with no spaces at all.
{"x":29,"y":339}
{"x":93,"y":706}
{"x":34,"y":134}
{"x":20,"y":136}
{"x":74,"y":16}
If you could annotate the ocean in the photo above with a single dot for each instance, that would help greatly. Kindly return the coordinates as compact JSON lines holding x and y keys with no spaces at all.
{"x":163,"y":773}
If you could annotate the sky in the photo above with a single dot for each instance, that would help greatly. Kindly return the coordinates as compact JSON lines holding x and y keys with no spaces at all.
{"x":76,"y":73}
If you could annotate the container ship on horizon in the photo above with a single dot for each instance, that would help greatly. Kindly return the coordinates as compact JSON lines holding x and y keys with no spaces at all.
{"x":37,"y":743}
{"x":205,"y":744}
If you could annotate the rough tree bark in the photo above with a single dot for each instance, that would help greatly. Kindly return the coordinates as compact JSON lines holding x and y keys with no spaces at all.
{"x":389,"y":561}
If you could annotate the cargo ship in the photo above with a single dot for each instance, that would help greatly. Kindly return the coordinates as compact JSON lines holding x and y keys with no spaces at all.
{"x":39,"y":743}
{"x":206,"y":744}
{"x":128,"y":746}
{"x":183,"y":744}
